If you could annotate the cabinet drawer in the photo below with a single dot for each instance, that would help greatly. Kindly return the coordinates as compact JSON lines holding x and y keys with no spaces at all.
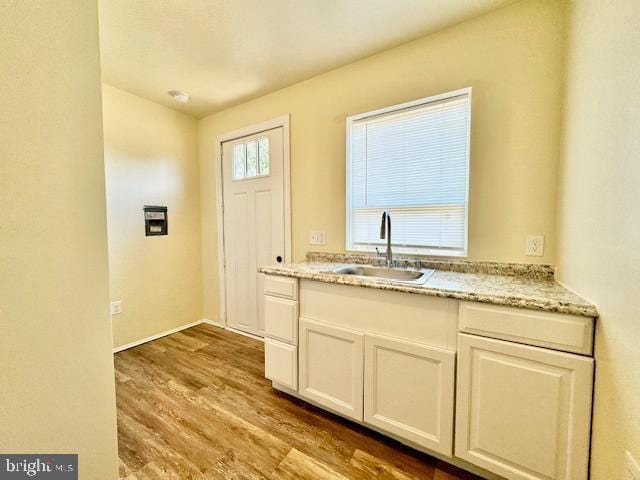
{"x":570,"y":333}
{"x":281,"y":286}
{"x":281,"y":319}
{"x":281,"y":363}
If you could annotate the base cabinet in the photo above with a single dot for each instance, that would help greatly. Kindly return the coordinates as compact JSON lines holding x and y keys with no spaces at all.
{"x":331,"y":367}
{"x":409,"y":391}
{"x":506,"y":389}
{"x":523,"y":412}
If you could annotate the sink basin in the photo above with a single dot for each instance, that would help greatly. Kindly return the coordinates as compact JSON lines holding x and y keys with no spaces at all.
{"x":396,"y":275}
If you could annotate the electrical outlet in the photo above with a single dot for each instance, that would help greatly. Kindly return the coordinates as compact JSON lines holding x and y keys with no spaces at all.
{"x":318,"y":237}
{"x":631,"y":468}
{"x":116,"y":307}
{"x":535,"y":245}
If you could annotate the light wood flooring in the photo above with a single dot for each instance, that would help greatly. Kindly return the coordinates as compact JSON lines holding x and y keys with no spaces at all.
{"x":196,"y":405}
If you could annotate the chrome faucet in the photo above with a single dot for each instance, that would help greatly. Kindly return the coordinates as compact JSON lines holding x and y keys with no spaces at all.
{"x":385,"y":232}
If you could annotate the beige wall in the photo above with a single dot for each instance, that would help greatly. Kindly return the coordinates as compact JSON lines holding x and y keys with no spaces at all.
{"x":599,"y":212}
{"x":511,"y":57}
{"x":56,"y":379}
{"x":151,"y":158}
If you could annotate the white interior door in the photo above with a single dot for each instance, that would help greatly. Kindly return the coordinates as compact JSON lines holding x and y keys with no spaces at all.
{"x":254,"y":223}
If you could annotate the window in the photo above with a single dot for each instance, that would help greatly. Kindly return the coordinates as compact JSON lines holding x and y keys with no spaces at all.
{"x":251,"y":159}
{"x":411,"y":160}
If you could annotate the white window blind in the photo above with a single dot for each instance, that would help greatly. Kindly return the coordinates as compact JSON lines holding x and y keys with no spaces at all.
{"x":411,"y":160}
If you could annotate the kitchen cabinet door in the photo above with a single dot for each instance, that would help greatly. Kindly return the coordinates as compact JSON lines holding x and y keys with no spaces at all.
{"x":409,"y":391}
{"x":523,"y":412}
{"x":331,"y":367}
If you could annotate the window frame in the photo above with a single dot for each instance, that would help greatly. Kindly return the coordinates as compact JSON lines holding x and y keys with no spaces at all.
{"x":427,"y":251}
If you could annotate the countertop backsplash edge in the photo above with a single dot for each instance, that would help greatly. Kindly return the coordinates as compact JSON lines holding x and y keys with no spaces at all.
{"x":528,"y":270}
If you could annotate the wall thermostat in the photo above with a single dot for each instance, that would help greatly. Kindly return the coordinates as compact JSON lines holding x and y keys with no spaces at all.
{"x":155,"y":220}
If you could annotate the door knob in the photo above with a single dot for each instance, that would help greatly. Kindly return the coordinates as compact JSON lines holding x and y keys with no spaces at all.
{"x":279,"y":259}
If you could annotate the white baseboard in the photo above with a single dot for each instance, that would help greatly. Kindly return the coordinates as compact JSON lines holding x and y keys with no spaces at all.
{"x":240,"y":332}
{"x":231,"y":329}
{"x":212,"y":322}
{"x":183,"y":327}
{"x":159,"y":335}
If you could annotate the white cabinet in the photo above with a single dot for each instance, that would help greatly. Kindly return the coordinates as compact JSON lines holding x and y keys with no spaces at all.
{"x":331,"y":367}
{"x":523,"y":412}
{"x":281,"y":363}
{"x":557,"y":331}
{"x":280,"y":311}
{"x":409,"y":391}
{"x":281,"y":287}
{"x":281,"y":319}
{"x":388,"y":360}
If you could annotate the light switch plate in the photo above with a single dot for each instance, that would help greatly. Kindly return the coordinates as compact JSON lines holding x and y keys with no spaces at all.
{"x":631,"y":468}
{"x":318,"y":237}
{"x":535,"y":245}
{"x":116,"y":307}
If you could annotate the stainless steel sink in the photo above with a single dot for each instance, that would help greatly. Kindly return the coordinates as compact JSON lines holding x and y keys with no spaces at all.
{"x":396,"y":275}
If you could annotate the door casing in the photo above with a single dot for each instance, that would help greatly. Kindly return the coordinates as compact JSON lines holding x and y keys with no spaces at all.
{"x":281,"y":121}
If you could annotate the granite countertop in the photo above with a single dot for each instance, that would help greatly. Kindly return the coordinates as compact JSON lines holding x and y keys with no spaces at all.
{"x":531,"y":291}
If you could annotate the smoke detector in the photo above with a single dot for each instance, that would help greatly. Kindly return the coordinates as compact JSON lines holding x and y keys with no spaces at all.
{"x":178,"y":96}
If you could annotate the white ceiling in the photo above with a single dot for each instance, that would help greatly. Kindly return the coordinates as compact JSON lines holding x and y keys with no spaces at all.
{"x":224,"y":52}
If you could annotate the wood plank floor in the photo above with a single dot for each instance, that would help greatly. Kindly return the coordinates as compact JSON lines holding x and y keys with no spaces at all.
{"x":196,"y":405}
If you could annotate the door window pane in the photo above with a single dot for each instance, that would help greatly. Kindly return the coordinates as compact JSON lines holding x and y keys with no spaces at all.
{"x":238,"y":161}
{"x":252,"y":158}
{"x":263,"y":156}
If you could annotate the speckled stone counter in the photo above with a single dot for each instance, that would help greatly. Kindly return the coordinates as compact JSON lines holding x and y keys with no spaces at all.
{"x":533,"y":288}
